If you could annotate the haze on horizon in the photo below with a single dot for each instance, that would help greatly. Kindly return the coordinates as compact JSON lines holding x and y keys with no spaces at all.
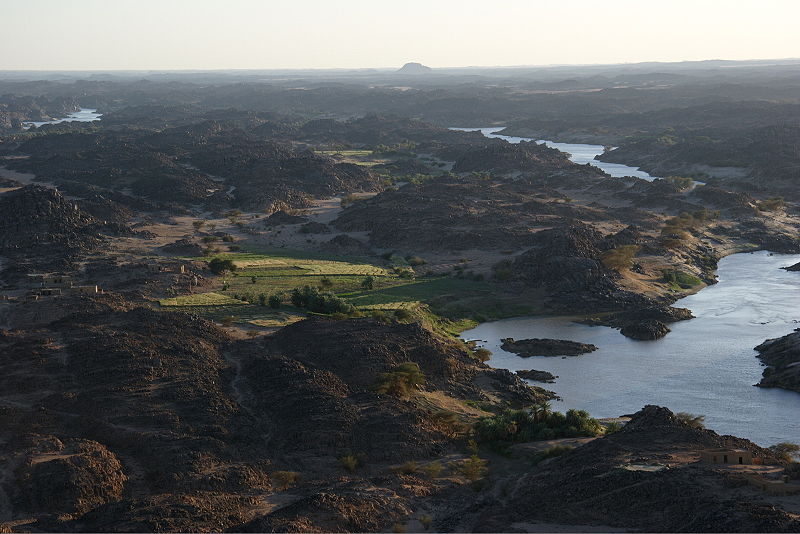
{"x":250,"y":34}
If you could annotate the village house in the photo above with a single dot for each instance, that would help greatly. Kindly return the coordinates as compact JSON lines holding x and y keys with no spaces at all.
{"x":727,"y":456}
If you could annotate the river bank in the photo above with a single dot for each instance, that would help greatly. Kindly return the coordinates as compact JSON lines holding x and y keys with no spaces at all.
{"x":707,"y":365}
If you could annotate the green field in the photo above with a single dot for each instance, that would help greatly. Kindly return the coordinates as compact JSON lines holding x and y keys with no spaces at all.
{"x":263,"y":272}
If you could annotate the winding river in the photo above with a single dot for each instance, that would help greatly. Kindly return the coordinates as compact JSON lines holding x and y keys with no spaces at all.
{"x":580,"y":154}
{"x":82,"y":115}
{"x":706,"y":365}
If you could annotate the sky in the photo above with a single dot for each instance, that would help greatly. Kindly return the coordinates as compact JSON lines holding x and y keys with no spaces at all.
{"x":280,"y":34}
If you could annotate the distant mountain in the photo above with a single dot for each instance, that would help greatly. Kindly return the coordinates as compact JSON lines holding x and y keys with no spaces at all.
{"x":414,"y":68}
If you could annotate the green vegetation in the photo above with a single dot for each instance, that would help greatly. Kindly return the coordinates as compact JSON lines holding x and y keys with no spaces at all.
{"x":679,"y":280}
{"x":677,"y":229}
{"x":313,"y":300}
{"x":202,"y":299}
{"x":433,"y":469}
{"x":772,"y":204}
{"x":350,"y":462}
{"x":537,"y":423}
{"x":786,"y":451}
{"x":220,"y":265}
{"x":694,"y":421}
{"x":401,"y":381}
{"x":620,"y":258}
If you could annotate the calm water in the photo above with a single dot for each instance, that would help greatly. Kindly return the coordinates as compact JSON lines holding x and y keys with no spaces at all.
{"x":84,"y":115}
{"x":705,"y":365}
{"x":578,"y":153}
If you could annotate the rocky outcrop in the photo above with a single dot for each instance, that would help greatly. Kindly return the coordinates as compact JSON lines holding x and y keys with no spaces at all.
{"x":183,"y":247}
{"x":598,"y":483}
{"x":793,"y":268}
{"x":546,"y":347}
{"x":67,"y":476}
{"x":782,"y":357}
{"x":648,"y":329}
{"x":280,"y":217}
{"x":345,"y":245}
{"x":538,"y":376}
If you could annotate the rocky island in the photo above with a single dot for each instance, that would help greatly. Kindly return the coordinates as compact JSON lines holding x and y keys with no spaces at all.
{"x":546,"y":347}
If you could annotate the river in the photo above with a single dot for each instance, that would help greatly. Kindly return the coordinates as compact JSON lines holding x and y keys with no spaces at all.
{"x":578,"y":153}
{"x":706,"y":365}
{"x":82,"y":115}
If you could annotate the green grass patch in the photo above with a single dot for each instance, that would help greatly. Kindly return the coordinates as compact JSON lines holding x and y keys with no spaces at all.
{"x":202,"y":299}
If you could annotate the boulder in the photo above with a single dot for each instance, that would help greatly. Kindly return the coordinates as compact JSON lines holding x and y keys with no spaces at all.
{"x":647,"y":329}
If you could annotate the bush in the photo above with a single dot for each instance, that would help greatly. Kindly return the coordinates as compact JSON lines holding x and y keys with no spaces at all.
{"x":538,"y":423}
{"x":350,"y":462}
{"x":786,"y":451}
{"x":227,"y":321}
{"x":474,"y":468}
{"x":401,"y":380}
{"x":368,"y":283}
{"x":482,"y":354}
{"x":262,"y":299}
{"x":426,"y":521}
{"x":415,"y":261}
{"x":275,"y":301}
{"x":408,"y":468}
{"x":772,"y":204}
{"x":620,"y":258}
{"x":402,"y":314}
{"x":218,"y":265}
{"x":326,"y":282}
{"x":313,"y":300}
{"x":682,"y":183}
{"x":449,"y":422}
{"x":694,"y":421}
{"x":284,"y":479}
{"x":380,"y":316}
{"x":433,"y":469}
{"x":679,"y":278}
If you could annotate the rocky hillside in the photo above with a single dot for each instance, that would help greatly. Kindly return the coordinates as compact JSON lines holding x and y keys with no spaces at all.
{"x":782,"y":358}
{"x":41,"y":228}
{"x":599,"y":484}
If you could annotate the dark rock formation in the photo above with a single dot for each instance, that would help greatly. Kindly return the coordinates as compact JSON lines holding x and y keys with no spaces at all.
{"x":538,"y":376}
{"x":782,"y":357}
{"x":345,"y":245}
{"x":183,"y":247}
{"x":546,"y":347}
{"x":314,"y":227}
{"x":647,"y":329}
{"x":280,"y":217}
{"x":793,"y":268}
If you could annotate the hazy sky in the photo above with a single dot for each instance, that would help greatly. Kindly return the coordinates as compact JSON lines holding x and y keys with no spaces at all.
{"x":241,"y":34}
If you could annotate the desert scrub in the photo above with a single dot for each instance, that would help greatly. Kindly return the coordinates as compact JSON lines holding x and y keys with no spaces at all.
{"x":679,"y":279}
{"x":285,"y":479}
{"x":620,"y":258}
{"x":694,"y":421}
{"x":401,"y":381}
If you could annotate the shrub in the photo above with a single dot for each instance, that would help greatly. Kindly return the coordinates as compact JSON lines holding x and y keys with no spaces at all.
{"x":274,"y":301}
{"x":679,"y":278}
{"x":350,"y":462}
{"x":426,"y":521}
{"x":474,"y":468}
{"x":415,"y":261}
{"x":218,"y":265}
{"x":380,"y":316}
{"x":325,"y":282}
{"x":772,"y":204}
{"x":368,"y":283}
{"x":694,"y":421}
{"x":262,"y":299}
{"x":786,"y":451}
{"x":284,"y":479}
{"x":401,"y":380}
{"x":433,"y":469}
{"x":620,"y":258}
{"x":449,"y":422}
{"x":209,"y":239}
{"x":227,"y":320}
{"x":312,"y":299}
{"x":253,"y":279}
{"x":482,"y":354}
{"x":349,"y":199}
{"x":408,"y":468}
{"x":234,"y":248}
{"x":402,"y":314}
